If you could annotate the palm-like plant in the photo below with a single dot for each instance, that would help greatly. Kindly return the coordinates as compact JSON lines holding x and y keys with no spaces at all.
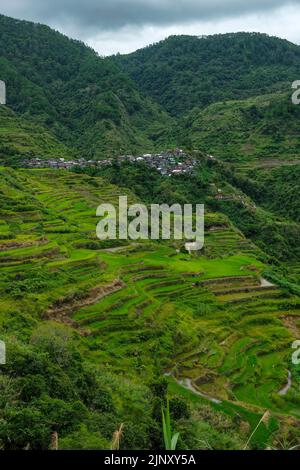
{"x":285,"y":444}
{"x":169,"y":439}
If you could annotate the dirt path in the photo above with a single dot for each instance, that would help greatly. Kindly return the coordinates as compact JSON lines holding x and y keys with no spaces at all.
{"x":119,"y":249}
{"x":188,"y":384}
{"x":285,"y":389}
{"x":290,"y":322}
{"x":116,"y":249}
{"x":12,"y":245}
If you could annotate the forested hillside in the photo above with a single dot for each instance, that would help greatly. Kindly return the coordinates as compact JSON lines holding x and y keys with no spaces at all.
{"x":277,"y":189}
{"x":21,"y":138}
{"x":124,"y":104}
{"x":184,"y":72}
{"x":264,"y":128}
{"x":85,"y":100}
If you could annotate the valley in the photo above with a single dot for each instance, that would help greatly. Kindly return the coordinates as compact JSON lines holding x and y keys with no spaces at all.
{"x":146,"y":309}
{"x":101,"y":333}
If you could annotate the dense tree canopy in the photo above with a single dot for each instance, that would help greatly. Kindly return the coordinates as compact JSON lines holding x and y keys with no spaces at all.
{"x":184,"y":72}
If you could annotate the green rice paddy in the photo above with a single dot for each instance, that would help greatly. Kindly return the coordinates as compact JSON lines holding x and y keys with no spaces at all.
{"x":208,"y":317}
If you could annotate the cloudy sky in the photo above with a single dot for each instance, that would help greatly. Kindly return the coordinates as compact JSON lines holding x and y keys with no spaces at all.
{"x":112,"y":26}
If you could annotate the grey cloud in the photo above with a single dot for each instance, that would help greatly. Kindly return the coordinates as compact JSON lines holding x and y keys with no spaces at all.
{"x":89,"y":16}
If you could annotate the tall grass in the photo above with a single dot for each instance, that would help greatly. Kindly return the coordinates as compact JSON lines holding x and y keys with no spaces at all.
{"x":264,"y":420}
{"x":116,"y":440}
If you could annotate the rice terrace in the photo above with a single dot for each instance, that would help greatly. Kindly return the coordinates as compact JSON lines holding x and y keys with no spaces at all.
{"x":128,"y":343}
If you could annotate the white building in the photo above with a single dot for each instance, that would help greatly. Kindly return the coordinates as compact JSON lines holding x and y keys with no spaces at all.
{"x":2,"y":92}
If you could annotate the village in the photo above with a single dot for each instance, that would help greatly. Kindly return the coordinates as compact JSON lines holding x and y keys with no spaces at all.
{"x":168,"y":163}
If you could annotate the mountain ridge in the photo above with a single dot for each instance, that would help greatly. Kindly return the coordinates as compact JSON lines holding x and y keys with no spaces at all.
{"x":183,"y":72}
{"x":140,"y":102}
{"x":86,"y":101}
{"x":103,"y":332}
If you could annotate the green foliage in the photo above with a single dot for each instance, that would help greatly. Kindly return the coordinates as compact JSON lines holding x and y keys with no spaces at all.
{"x":275,"y":277}
{"x":186,"y":72}
{"x":83,"y":439}
{"x":84,"y":100}
{"x":93,"y":327}
{"x":275,"y":189}
{"x":261,"y":130}
{"x":71,"y":380}
{"x":47,"y":387}
{"x":170,"y":439}
{"x":22,"y":138}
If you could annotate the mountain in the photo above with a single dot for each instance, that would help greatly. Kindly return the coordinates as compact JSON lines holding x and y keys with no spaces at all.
{"x":86,"y":101}
{"x":100,"y":333}
{"x":262,"y":128}
{"x":222,"y":93}
{"x":184,"y":72}
{"x":275,"y":189}
{"x":21,"y":138}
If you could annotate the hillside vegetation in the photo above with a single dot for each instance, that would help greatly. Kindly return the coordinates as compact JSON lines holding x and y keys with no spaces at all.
{"x":101,"y":333}
{"x":86,"y":101}
{"x":144,"y":309}
{"x":21,"y":138}
{"x":186,"y":72}
{"x":264,"y":128}
{"x":225,"y":94}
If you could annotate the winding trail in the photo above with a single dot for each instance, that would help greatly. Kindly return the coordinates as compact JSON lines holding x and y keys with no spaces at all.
{"x":285,"y":389}
{"x":188,"y":384}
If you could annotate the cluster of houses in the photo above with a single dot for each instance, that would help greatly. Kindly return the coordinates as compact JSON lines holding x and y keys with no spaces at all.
{"x":59,"y":163}
{"x":167,"y":163}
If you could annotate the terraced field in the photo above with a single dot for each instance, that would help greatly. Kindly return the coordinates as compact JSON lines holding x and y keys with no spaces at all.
{"x":47,"y":222}
{"x":21,"y":139}
{"x":249,"y":359}
{"x":147,"y":309}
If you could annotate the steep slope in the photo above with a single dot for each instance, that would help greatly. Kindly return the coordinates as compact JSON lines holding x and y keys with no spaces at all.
{"x":184,"y":72}
{"x":85,"y":100}
{"x":20,"y":138}
{"x":263,"y":128}
{"x":277,"y":189}
{"x":261,"y":214}
{"x":135,"y":312}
